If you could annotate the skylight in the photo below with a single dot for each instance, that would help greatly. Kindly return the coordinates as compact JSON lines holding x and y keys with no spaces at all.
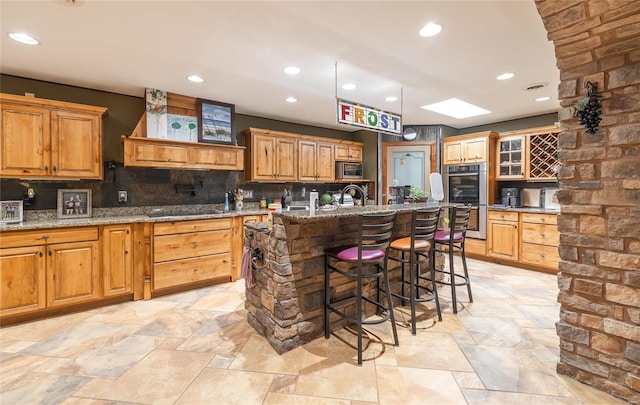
{"x":456,"y":108}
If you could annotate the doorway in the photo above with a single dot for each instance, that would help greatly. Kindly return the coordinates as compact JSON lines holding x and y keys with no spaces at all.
{"x":408,"y":163}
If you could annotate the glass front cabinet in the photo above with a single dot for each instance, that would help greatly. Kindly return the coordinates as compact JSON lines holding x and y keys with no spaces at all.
{"x":511,"y":157}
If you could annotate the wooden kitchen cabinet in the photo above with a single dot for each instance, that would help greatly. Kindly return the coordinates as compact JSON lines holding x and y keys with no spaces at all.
{"x":46,"y":139}
{"x":470,"y":148}
{"x":316,"y":161}
{"x":540,"y":240}
{"x":187,"y":252}
{"x":117,"y":259}
{"x":160,"y":153}
{"x":271,"y":156}
{"x":510,"y":158}
{"x":48,"y":268}
{"x":539,"y":157}
{"x":348,"y":152}
{"x":502,"y":235}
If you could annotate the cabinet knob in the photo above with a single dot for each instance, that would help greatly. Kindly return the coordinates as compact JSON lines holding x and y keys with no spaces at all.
{"x":46,"y":168}
{"x":55,"y":168}
{"x":126,"y":252}
{"x":195,"y":270}
{"x":40,"y":254}
{"x":50,"y":253}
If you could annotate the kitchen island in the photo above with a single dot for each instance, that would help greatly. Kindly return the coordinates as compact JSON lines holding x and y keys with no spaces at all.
{"x":286,"y":303}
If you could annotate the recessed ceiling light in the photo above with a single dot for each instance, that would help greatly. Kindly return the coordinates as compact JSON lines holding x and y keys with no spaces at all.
{"x":543,"y":98}
{"x":456,"y":108}
{"x":430,"y":30}
{"x":505,"y":76}
{"x":391,"y":98}
{"x":195,"y":78}
{"x":290,"y":99}
{"x":24,"y":38}
{"x":292,"y":70}
{"x":348,"y":86}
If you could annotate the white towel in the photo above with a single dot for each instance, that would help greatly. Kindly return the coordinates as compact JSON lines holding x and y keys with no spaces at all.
{"x":245,"y":268}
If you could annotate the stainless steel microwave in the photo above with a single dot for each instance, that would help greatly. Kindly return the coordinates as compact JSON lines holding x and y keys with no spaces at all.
{"x":349,"y":170}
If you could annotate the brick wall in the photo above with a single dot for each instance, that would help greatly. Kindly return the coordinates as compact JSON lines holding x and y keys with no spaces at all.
{"x":599,"y":279}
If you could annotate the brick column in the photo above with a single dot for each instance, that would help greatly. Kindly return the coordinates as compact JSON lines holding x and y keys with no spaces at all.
{"x":599,"y":278}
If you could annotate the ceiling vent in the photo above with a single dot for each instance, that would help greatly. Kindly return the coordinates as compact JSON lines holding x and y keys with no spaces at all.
{"x":535,"y":86}
{"x":70,"y":3}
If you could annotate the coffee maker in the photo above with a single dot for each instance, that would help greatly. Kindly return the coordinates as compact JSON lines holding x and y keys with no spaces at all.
{"x":510,"y":197}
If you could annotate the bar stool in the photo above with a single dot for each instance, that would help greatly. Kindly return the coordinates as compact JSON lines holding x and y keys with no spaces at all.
{"x":367,"y":260}
{"x":420,"y":249}
{"x":452,"y":241}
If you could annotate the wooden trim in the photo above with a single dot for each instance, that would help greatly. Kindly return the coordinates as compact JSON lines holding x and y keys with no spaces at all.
{"x":46,"y":103}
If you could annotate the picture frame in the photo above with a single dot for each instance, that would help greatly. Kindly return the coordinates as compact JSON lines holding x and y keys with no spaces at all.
{"x":74,"y":203}
{"x":11,"y":212}
{"x":216,"y":122}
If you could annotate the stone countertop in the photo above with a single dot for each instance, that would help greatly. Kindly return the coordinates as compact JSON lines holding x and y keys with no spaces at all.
{"x":353,"y":211}
{"x":522,"y":209}
{"x":119,"y":216}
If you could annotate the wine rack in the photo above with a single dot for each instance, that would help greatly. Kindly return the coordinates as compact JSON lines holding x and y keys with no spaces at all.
{"x":543,"y":156}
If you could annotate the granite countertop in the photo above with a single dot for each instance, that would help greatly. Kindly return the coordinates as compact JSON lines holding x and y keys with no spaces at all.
{"x":523,"y":209}
{"x":353,"y":211}
{"x":110,"y":216}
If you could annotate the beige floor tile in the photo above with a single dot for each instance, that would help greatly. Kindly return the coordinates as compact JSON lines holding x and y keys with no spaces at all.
{"x":468,"y":380}
{"x":432,"y":350}
{"x":215,"y":386}
{"x":277,"y":398}
{"x":484,"y":397}
{"x":221,"y":301}
{"x":14,"y":346}
{"x":39,"y":388}
{"x":401,"y":385}
{"x":137,"y":312}
{"x":159,"y":378}
{"x":43,"y":329}
{"x":258,"y":355}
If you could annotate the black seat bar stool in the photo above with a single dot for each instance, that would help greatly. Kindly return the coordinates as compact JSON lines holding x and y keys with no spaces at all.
{"x":452,"y":241}
{"x":420,"y":248}
{"x":367,"y":260}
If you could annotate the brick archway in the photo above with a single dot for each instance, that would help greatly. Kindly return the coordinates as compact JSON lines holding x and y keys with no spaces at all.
{"x":599,"y":278}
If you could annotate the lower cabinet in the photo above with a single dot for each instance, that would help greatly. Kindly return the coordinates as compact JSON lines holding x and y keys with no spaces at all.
{"x":238,"y":240}
{"x":502,"y":235}
{"x":48,"y":268}
{"x":540,"y":240}
{"x":117,"y":259}
{"x":186,"y":252}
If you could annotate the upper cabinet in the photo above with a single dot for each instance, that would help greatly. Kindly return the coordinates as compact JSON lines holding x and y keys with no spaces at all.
{"x":315,"y":161}
{"x":271,"y":156}
{"x":46,"y":139}
{"x":140,"y":151}
{"x":348,"y":152}
{"x":528,"y":154}
{"x":470,"y":148}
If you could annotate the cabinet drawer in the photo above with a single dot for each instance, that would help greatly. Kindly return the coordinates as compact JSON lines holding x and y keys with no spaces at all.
{"x":182,"y":246}
{"x":540,"y":218}
{"x":48,"y":236}
{"x":503,"y":215}
{"x":168,"y":228}
{"x":541,"y":234}
{"x":546,"y":256}
{"x":178,"y":272}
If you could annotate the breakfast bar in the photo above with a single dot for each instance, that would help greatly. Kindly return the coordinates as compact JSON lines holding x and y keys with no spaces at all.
{"x":285,"y":304}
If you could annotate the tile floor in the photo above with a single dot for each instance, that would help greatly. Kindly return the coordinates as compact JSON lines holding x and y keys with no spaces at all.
{"x":197,"y":348}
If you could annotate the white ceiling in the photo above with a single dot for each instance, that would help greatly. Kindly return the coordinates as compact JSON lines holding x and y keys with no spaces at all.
{"x":242,"y":47}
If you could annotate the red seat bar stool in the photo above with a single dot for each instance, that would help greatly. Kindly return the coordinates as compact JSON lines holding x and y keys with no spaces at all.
{"x":452,"y":241}
{"x":365,"y":261}
{"x":420,"y":248}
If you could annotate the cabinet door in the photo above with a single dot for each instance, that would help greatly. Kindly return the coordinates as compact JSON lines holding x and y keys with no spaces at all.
{"x":76,"y":145}
{"x":22,"y":278}
{"x":324,"y":162}
{"x":355,"y":153}
{"x":26,"y":141}
{"x":263,"y":153}
{"x":117,"y":260}
{"x":475,"y":150}
{"x":452,"y":152}
{"x":307,"y":166}
{"x":73,"y":272}
{"x":511,"y":158}
{"x":342,"y":152}
{"x":286,"y":159}
{"x":503,"y":239}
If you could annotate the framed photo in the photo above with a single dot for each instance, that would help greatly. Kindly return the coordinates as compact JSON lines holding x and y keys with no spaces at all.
{"x":10,"y":211}
{"x":74,"y":203}
{"x":216,"y":122}
{"x":182,"y":128}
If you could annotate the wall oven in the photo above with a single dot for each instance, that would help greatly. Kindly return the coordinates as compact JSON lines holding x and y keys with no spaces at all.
{"x":467,"y":184}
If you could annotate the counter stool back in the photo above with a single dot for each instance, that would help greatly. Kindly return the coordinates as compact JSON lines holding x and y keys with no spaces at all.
{"x":420,"y":248}
{"x":367,"y":260}
{"x":452,"y":241}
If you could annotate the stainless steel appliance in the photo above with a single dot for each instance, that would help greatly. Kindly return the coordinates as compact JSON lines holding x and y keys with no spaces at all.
{"x":467,"y":184}
{"x":349,"y":170}
{"x":510,"y":197}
